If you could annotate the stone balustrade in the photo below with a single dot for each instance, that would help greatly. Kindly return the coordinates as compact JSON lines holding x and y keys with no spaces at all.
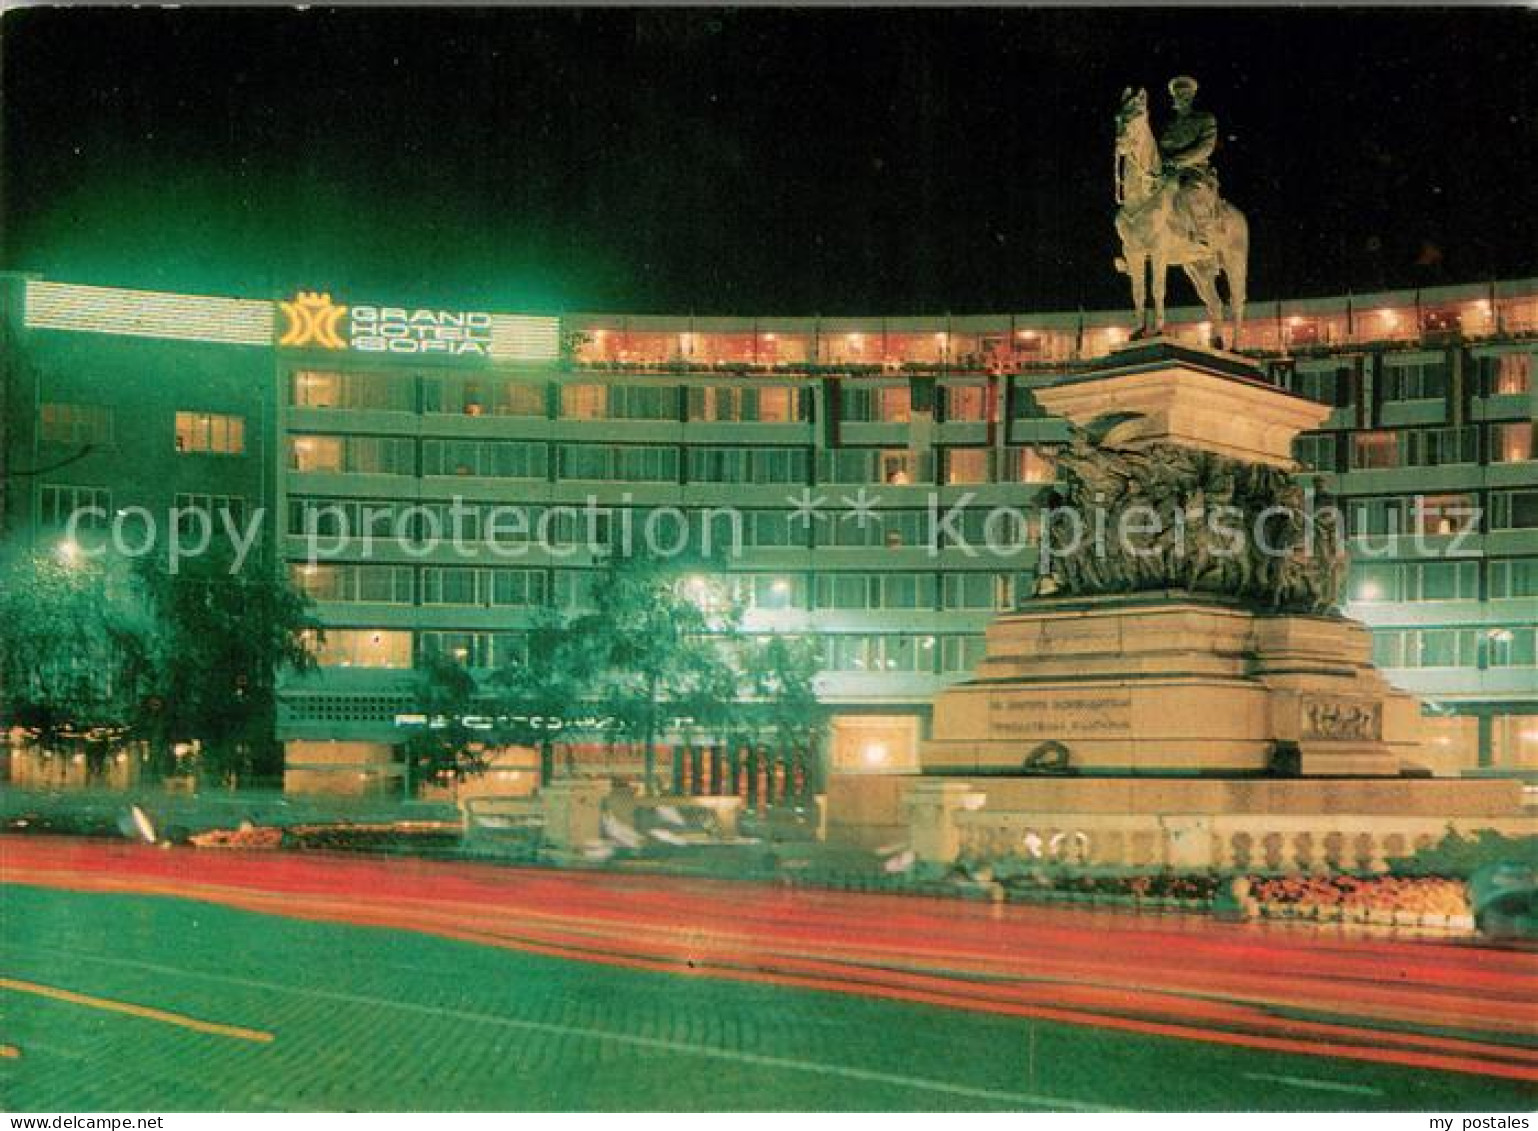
{"x":1244,"y":843}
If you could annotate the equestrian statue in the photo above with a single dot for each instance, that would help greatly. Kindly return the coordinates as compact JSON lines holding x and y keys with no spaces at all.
{"x":1170,"y":212}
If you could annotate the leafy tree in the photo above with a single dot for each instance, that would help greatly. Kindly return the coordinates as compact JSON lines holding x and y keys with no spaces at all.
{"x":782,"y":676}
{"x":76,"y":652}
{"x":659,"y":636}
{"x":222,"y":637}
{"x":446,"y":693}
{"x":101,"y":653}
{"x":550,"y":684}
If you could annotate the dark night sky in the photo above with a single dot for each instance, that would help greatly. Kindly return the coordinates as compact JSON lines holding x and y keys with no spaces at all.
{"x":756,"y":161}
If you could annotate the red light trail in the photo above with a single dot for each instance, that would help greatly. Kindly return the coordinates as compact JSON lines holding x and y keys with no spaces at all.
{"x":1443,"y":1006}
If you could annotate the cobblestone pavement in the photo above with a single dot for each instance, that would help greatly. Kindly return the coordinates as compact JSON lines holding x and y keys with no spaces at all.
{"x":367,"y":1018}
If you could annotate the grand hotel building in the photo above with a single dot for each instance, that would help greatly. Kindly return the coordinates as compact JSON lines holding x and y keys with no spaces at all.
{"x":310,"y":408}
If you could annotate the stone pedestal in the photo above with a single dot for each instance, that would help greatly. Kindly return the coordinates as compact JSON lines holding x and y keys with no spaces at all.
{"x":1169,"y":729}
{"x":1162,"y":391}
{"x":573,"y":813}
{"x":1173,"y":684}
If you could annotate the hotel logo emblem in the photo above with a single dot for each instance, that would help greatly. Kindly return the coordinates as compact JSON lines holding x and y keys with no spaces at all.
{"x":312,"y":321}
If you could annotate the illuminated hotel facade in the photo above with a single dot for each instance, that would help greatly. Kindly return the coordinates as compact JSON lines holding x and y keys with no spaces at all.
{"x":311,"y":409}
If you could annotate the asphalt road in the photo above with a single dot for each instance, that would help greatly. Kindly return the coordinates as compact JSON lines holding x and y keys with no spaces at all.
{"x":144,"y":979}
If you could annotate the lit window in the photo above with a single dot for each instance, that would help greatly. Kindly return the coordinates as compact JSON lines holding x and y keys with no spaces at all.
{"x":315,"y":453}
{"x":897,"y":468}
{"x":1374,"y":451}
{"x":210,"y":432}
{"x":777,"y":405}
{"x":894,"y":405}
{"x":317,"y":389}
{"x":966,"y":465}
{"x":363,"y":648}
{"x":1445,"y":514}
{"x":355,"y":584}
{"x":1512,"y":442}
{"x":583,"y":402}
{"x":1032,"y":466}
{"x":1513,"y":374}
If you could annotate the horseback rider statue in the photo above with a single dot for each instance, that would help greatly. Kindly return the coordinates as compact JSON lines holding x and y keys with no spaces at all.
{"x":1171,"y":215}
{"x":1185,"y":147}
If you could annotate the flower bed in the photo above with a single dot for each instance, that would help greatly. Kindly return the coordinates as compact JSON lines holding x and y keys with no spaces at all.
{"x":409,"y":836}
{"x":1426,"y":901}
{"x":245,"y":837}
{"x":1402,"y":900}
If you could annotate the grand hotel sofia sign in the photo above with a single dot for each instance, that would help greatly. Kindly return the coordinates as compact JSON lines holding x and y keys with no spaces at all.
{"x":312,"y":320}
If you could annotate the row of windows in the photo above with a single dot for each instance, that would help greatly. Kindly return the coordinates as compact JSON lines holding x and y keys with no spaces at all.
{"x":1372,"y":582}
{"x":885,"y":653}
{"x":1456,"y":647}
{"x":510,"y":587}
{"x":319,"y":388}
{"x":1506,"y":374}
{"x":893,"y":653}
{"x":398,"y":585}
{"x":1438,"y":515}
{"x":91,"y":508}
{"x":644,"y":463}
{"x":1415,"y":381}
{"x":749,"y":465}
{"x":765,"y":404}
{"x":80,"y":424}
{"x":393,"y":648}
{"x":363,"y":455}
{"x":1510,"y":442}
{"x":1425,"y":515}
{"x":1385,"y":516}
{"x":1421,"y":447}
{"x":478,"y":395}
{"x":497,"y":459}
{"x":360,"y":523}
{"x":1390,"y":582}
{"x":87,"y":424}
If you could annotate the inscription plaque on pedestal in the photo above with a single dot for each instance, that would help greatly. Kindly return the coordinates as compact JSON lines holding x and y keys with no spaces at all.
{"x":1060,"y":715}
